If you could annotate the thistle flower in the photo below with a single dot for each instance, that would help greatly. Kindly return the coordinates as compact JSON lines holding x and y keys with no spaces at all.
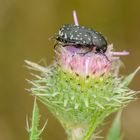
{"x":87,"y":65}
{"x":82,"y":90}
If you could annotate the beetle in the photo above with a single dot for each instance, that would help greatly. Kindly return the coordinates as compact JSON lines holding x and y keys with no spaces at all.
{"x":81,"y":36}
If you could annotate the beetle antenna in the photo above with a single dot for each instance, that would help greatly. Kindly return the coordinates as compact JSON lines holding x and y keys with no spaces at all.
{"x":75,"y":18}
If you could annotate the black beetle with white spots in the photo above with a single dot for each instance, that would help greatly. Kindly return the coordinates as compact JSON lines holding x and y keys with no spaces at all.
{"x":81,"y":36}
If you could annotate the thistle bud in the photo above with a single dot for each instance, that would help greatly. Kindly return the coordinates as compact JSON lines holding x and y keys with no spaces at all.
{"x":81,"y":90}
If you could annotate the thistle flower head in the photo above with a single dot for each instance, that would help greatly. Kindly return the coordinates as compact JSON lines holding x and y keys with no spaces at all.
{"x":84,"y":65}
{"x":81,"y":89}
{"x":91,"y":64}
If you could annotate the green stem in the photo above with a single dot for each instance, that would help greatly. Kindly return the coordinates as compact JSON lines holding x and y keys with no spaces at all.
{"x":76,"y":133}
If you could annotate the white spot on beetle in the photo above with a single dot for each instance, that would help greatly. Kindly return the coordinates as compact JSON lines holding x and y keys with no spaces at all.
{"x":71,"y":37}
{"x":65,"y":36}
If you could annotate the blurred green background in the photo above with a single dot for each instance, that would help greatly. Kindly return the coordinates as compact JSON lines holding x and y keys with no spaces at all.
{"x":26,"y":25}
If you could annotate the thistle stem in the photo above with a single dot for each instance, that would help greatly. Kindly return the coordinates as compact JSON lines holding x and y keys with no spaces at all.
{"x":76,"y":133}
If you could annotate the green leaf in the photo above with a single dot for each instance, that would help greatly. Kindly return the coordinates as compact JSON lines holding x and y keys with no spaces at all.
{"x":130,"y":77}
{"x":34,"y":131}
{"x":115,"y":130}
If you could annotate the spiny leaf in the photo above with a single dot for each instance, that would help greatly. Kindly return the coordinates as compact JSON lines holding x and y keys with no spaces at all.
{"x":34,"y":132}
{"x":114,"y":132}
{"x":130,"y":77}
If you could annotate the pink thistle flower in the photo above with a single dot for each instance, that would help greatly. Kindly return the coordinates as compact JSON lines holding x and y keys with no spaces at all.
{"x":84,"y":65}
{"x":92,"y":64}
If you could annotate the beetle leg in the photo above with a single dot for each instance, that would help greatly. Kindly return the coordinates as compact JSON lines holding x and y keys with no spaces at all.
{"x":55,"y":45}
{"x":102,"y":53}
